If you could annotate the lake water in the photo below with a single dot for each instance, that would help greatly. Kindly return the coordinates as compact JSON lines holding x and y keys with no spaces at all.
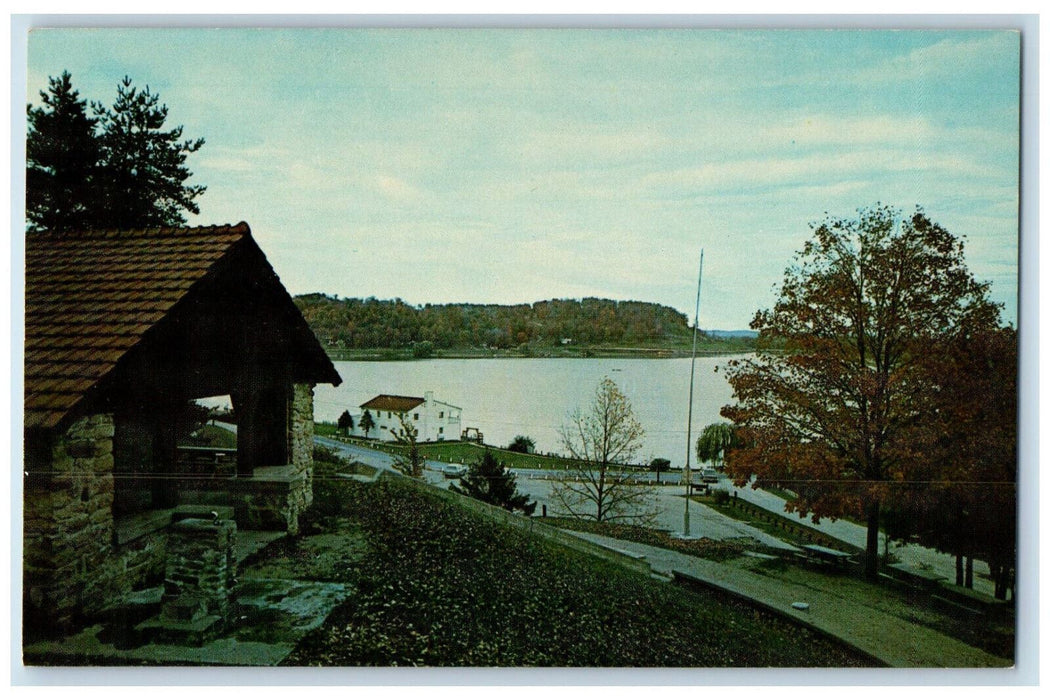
{"x":508,"y":397}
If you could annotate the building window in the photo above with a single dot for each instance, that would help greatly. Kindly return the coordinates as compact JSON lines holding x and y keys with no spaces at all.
{"x":415,"y":416}
{"x":441,"y":431}
{"x":441,"y":414}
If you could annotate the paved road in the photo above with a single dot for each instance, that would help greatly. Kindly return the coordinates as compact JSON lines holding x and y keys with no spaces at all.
{"x":705,"y":522}
{"x":670,"y":504}
{"x":912,"y":556}
{"x":373,"y":458}
{"x":381,"y":460}
{"x":670,"y":508}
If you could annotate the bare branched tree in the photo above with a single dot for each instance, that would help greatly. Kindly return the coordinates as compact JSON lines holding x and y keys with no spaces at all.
{"x":603,"y":441}
{"x":412,"y":462}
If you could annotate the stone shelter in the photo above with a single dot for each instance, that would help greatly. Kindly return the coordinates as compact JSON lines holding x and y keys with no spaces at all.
{"x":123,"y":329}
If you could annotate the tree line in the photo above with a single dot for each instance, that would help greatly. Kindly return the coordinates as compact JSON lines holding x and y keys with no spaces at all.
{"x":374,"y":323}
{"x":91,"y":166}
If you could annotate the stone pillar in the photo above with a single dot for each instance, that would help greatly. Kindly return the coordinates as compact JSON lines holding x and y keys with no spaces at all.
{"x":301,"y":437}
{"x":68,"y":531}
{"x":200,"y":569}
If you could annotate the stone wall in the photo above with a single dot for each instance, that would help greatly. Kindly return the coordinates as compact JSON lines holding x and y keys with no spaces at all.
{"x":129,"y":567}
{"x":301,"y":439}
{"x":272,"y":499}
{"x":71,"y":566}
{"x":68,"y":531}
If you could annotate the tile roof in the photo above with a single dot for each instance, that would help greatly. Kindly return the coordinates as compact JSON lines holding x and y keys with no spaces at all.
{"x":397,"y":404}
{"x":91,"y":296}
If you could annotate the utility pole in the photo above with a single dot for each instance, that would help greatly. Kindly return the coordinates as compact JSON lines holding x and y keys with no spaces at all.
{"x":687,"y":474}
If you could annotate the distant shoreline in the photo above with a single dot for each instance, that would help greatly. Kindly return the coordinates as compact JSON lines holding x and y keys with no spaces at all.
{"x":404,"y":355}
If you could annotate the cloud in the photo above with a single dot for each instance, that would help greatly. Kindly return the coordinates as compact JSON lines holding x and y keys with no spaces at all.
{"x":950,"y":59}
{"x":869,"y":159}
{"x":513,"y":166}
{"x":592,"y":145}
{"x":396,"y":188}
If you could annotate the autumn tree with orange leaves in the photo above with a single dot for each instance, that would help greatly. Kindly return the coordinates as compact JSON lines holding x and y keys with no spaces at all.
{"x":842,"y":402}
{"x":966,"y":502}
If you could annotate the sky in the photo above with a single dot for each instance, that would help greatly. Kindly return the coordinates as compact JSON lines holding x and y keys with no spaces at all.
{"x":511,"y":166}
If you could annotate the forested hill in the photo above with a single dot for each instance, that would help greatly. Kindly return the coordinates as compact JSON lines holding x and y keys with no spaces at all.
{"x":357,"y":324}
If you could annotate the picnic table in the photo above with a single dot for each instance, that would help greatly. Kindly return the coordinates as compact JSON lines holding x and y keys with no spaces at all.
{"x":210,"y":462}
{"x":827,"y":555}
{"x":917,"y":575}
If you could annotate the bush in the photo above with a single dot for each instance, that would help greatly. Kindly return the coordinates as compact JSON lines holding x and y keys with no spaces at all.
{"x":422,"y":350}
{"x":721,"y":496}
{"x":523,"y":444}
{"x":490,"y":481}
{"x":326,"y":454}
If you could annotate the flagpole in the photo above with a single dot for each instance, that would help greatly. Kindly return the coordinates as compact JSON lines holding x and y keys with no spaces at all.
{"x":687,"y":474}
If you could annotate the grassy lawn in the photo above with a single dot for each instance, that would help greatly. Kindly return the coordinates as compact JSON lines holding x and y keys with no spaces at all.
{"x":467,"y":452}
{"x":211,"y":436}
{"x":439,"y":586}
{"x":326,"y":430}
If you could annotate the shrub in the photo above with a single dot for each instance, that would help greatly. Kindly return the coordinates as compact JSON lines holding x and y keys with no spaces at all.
{"x":523,"y":444}
{"x":422,"y":350}
{"x":327,"y":454}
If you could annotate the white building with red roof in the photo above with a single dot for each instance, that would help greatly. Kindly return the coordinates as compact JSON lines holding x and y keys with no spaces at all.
{"x":435,"y":420}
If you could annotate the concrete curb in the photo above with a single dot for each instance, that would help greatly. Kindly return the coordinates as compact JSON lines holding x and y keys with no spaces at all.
{"x":686,"y":579}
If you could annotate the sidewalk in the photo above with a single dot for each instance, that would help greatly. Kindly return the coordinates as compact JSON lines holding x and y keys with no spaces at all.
{"x":848,"y":609}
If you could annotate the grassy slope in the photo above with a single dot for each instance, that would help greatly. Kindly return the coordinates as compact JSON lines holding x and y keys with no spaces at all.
{"x":212,"y":436}
{"x":438,"y":586}
{"x":469,"y":452}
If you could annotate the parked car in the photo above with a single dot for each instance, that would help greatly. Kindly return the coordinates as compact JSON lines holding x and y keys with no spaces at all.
{"x":453,"y":470}
{"x":709,"y":476}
